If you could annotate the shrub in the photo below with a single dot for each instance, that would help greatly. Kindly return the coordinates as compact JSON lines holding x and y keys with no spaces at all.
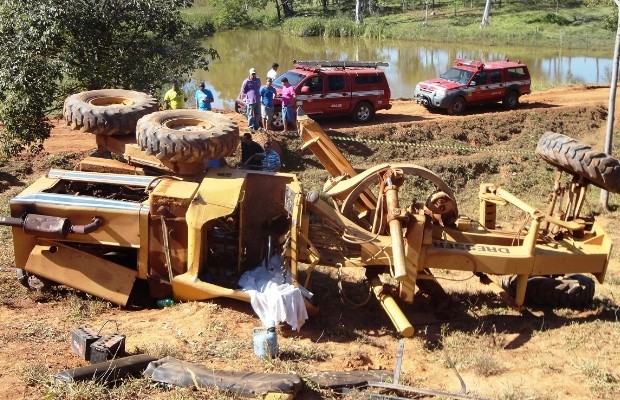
{"x":341,"y":27}
{"x":304,"y":26}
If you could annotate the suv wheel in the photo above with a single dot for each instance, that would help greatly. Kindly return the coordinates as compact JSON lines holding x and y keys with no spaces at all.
{"x":511,"y":100}
{"x":277,"y":121}
{"x":457,"y":106}
{"x":363,"y":112}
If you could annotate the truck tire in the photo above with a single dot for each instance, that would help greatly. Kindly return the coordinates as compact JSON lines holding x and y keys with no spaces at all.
{"x":278,"y":122}
{"x":571,"y":291}
{"x":187,"y":135}
{"x":457,"y":106}
{"x":108,"y":111}
{"x":578,"y":158}
{"x":433,"y":289}
{"x":363,"y":112}
{"x":511,"y":100}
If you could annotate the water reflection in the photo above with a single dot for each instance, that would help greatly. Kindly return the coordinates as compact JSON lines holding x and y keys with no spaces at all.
{"x":410,"y":62}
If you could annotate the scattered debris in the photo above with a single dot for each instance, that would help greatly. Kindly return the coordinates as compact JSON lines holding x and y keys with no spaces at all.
{"x":340,"y":379}
{"x":81,"y":340}
{"x":108,"y":372}
{"x":107,"y":347}
{"x":180,"y":373}
{"x":90,"y":345}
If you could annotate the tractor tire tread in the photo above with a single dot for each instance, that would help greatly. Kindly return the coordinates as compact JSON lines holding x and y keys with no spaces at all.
{"x":81,"y":113}
{"x":580,"y":159}
{"x":570,"y":291}
{"x":219,"y":138}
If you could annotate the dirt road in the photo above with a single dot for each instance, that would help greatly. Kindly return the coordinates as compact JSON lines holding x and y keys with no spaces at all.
{"x":402,"y":112}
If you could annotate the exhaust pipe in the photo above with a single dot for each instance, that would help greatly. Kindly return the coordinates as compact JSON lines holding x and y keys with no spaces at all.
{"x":49,"y":227}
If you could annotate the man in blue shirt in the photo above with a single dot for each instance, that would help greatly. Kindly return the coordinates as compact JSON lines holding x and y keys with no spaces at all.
{"x":267,"y":94}
{"x":204,"y":98}
{"x":271,"y":162}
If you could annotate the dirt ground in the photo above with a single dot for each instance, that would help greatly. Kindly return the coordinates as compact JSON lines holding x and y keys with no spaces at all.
{"x":403,"y":112}
{"x":499,"y":353}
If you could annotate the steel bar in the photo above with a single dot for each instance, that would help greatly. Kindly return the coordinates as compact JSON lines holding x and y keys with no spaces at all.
{"x":429,"y":392}
{"x":399,"y":359}
{"x":396,"y":232}
{"x":400,"y":321}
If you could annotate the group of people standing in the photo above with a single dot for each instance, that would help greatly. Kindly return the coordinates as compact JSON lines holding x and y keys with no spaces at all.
{"x":259,"y":100}
{"x":176,"y":97}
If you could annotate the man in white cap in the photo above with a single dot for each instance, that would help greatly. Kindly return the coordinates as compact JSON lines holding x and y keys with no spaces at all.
{"x":250,"y":94}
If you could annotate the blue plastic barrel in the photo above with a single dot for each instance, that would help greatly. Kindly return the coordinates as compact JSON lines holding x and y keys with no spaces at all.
{"x":265,"y":342}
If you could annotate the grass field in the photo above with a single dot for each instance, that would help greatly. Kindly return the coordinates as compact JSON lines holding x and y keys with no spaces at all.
{"x":575,"y":24}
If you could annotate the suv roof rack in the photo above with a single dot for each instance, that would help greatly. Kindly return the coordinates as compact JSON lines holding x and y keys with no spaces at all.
{"x":470,"y":63}
{"x":341,"y":64}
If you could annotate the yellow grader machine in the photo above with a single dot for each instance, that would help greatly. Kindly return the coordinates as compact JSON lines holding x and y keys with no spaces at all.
{"x":158,"y":217}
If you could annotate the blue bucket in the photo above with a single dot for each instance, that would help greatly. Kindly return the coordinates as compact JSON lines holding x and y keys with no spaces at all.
{"x":265,"y":342}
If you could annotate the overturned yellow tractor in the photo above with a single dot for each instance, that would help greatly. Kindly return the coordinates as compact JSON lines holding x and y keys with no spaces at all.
{"x":157,"y":216}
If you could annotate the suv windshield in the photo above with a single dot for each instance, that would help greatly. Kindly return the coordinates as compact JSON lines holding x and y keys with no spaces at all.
{"x":293,"y":79}
{"x":457,"y":75}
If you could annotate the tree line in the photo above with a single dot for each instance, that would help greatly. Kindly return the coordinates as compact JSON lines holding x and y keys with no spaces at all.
{"x":53,"y":48}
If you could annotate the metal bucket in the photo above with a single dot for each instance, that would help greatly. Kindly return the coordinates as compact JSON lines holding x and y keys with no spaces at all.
{"x":265,"y":342}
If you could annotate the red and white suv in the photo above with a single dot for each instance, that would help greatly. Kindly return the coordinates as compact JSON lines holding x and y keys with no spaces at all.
{"x":355,"y":88}
{"x":474,"y":82}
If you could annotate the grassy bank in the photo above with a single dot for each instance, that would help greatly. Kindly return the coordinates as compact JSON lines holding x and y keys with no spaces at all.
{"x":570,"y":25}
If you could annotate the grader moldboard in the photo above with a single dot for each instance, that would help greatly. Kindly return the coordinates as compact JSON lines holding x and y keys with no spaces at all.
{"x":159,"y":218}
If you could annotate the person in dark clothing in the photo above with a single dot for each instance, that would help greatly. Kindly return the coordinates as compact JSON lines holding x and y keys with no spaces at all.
{"x":251,"y":152}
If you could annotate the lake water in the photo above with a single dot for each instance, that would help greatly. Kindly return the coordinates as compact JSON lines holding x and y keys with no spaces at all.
{"x":409,"y":62}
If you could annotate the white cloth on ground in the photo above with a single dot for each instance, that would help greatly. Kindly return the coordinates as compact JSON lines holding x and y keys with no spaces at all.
{"x":273,"y":297}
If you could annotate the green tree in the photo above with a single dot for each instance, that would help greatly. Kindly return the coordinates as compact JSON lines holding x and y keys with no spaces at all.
{"x":52,"y":48}
{"x":231,"y":14}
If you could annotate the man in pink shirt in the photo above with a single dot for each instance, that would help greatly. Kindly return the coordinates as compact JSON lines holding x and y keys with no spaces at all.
{"x":288,"y":104}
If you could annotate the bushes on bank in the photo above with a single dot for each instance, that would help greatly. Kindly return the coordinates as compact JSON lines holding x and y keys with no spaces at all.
{"x":333,"y":27}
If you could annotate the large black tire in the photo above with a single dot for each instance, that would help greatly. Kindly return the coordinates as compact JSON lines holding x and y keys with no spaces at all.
{"x":187,"y":135}
{"x":108,"y":111}
{"x":511,"y":100}
{"x":571,"y":291}
{"x":433,"y":289}
{"x":278,"y":122}
{"x":457,"y":106}
{"x":363,"y":112}
{"x":578,"y":158}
